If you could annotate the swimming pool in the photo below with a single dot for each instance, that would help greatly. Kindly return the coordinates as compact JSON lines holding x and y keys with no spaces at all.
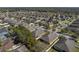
{"x":2,"y":35}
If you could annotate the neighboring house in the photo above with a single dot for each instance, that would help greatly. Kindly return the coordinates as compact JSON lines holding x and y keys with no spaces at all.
{"x":4,"y":25}
{"x":61,"y":46}
{"x":26,"y":25}
{"x":6,"y":44}
{"x":39,"y":32}
{"x":65,"y":45}
{"x":0,"y":21}
{"x":11,"y":21}
{"x":31,"y":27}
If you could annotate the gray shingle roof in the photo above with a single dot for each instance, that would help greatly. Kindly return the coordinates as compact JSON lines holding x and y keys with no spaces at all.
{"x":50,"y":37}
{"x":61,"y":46}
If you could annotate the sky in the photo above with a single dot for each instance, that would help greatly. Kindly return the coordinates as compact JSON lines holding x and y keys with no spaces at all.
{"x":39,"y":3}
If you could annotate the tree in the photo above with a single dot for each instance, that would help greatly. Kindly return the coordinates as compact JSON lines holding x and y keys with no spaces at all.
{"x":24,"y":36}
{"x":61,"y":37}
{"x":0,"y":43}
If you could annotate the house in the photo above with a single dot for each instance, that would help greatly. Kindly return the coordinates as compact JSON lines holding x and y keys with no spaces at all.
{"x":61,"y":46}
{"x":6,"y":44}
{"x":26,"y":25}
{"x":40,"y":31}
{"x":31,"y":27}
{"x":65,"y":45}
{"x":11,"y":21}
{"x":0,"y":21}
{"x":50,"y":38}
